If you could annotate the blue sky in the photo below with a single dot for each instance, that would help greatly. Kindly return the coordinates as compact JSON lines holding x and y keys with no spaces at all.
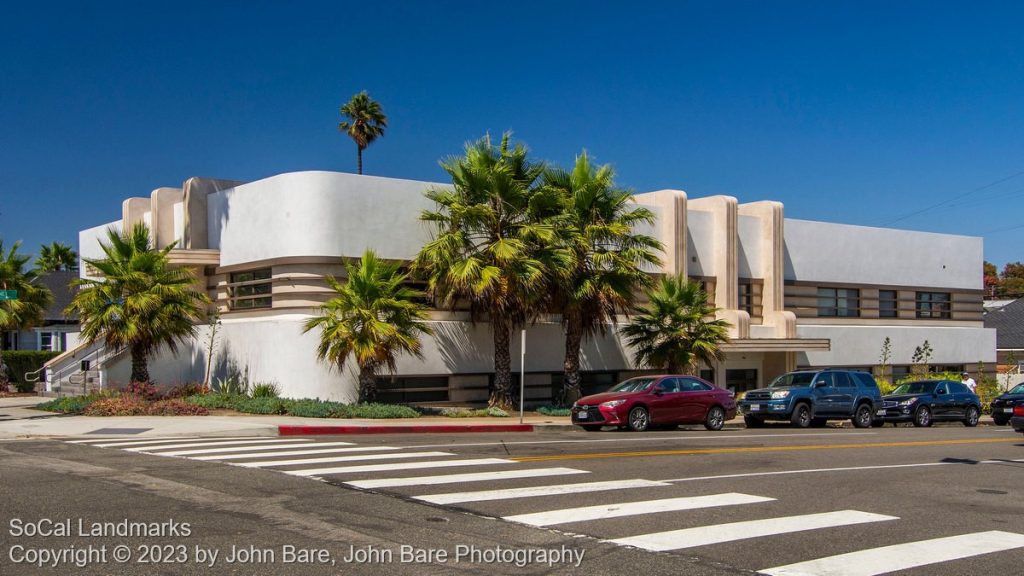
{"x":856,"y":112}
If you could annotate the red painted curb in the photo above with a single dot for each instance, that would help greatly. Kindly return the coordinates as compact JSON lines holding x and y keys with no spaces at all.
{"x":425,"y":428}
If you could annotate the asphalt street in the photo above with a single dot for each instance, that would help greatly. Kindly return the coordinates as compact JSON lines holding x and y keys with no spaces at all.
{"x":940,"y":501}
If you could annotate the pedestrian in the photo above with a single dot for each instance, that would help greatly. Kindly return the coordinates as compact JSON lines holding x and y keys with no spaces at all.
{"x":966,"y":380}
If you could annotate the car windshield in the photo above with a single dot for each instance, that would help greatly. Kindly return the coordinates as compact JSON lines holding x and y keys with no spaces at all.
{"x":632,"y":385}
{"x":793,"y":379}
{"x":1018,"y":389}
{"x":915,"y":388}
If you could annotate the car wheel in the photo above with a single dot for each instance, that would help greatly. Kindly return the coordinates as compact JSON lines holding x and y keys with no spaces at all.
{"x":877,"y":423}
{"x":972,"y":416}
{"x":1000,"y":421}
{"x":923,"y":417}
{"x":592,"y":428}
{"x":639,"y":419}
{"x":801,"y":417}
{"x":715,"y":419}
{"x":753,"y":421}
{"x":862,"y":418}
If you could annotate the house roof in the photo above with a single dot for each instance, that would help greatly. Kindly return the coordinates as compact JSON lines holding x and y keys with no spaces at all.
{"x":1008,"y":321}
{"x":59,"y":283}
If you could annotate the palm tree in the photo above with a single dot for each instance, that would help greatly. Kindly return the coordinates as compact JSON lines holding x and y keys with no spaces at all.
{"x":597,"y":224}
{"x":56,"y":256}
{"x":372,"y":318}
{"x":366,"y":122}
{"x":673,"y":332}
{"x":28,"y":307}
{"x":493,"y":244}
{"x":140,"y":302}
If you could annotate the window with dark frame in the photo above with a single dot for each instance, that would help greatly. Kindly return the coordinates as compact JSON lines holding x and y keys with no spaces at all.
{"x":839,"y":302}
{"x":250,"y":289}
{"x":746,"y":298}
{"x":888,"y":304}
{"x":934,"y":305}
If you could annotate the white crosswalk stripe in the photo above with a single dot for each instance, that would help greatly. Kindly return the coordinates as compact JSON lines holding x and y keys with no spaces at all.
{"x":217,"y":443}
{"x":532,"y":491}
{"x":460,"y":478}
{"x":604,"y":511}
{"x":136,"y":439}
{"x":303,"y":461}
{"x":400,"y":466}
{"x":219,"y":449}
{"x":719,"y":533}
{"x":233,"y":456}
{"x":887,"y":559}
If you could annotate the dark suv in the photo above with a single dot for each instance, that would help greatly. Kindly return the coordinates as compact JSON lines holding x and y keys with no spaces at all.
{"x":813,"y":397}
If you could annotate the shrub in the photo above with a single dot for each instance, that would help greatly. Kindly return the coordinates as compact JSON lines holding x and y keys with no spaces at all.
{"x":21,"y":361}
{"x":142,"y":390}
{"x":118,"y":406}
{"x":495,"y":412}
{"x":175,"y":407}
{"x":265,"y":390}
{"x":554,"y":411}
{"x":315,"y":409}
{"x":214,"y":401}
{"x":188,"y":389}
{"x":73,"y":404}
{"x":24,"y":387}
{"x":259,"y":405}
{"x":232,"y":386}
{"x":492,"y":412}
{"x":382,"y":411}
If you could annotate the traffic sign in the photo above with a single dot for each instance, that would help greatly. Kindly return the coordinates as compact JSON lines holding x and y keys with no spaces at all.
{"x":8,"y":294}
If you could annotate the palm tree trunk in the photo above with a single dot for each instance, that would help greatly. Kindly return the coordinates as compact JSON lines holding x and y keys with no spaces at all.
{"x":571,"y":366}
{"x":359,"y":156}
{"x":367,"y":384}
{"x":140,"y":364}
{"x":501,"y":396}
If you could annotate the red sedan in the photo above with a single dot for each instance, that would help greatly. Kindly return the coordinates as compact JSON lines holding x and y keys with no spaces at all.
{"x":646,"y":401}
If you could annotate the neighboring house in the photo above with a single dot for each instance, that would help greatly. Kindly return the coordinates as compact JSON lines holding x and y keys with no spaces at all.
{"x":797,"y":293}
{"x":59,"y":331}
{"x":1008,"y":322}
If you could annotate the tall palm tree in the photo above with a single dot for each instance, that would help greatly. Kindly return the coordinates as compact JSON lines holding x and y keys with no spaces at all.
{"x":492,"y":244}
{"x":597,"y":224}
{"x":56,"y":256}
{"x":27,"y":309}
{"x":140,"y":302}
{"x":372,"y":318}
{"x":674,"y":332}
{"x":366,"y":122}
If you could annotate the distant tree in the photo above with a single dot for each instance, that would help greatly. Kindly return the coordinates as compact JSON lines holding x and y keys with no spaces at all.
{"x":139,"y":302}
{"x":56,"y":256}
{"x":372,"y":318}
{"x":676,"y":330}
{"x":922,"y":357}
{"x":991,"y":279}
{"x":1012,"y":280}
{"x":885,"y":359}
{"x":366,"y":122}
{"x":27,"y":309}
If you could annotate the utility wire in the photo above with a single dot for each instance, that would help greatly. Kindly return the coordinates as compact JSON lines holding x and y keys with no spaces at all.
{"x":948,"y":200}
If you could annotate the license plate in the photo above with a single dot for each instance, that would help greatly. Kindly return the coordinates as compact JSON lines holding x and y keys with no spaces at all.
{"x":880,"y":413}
{"x":755,"y":407}
{"x":1006,"y":409}
{"x":582,"y":415}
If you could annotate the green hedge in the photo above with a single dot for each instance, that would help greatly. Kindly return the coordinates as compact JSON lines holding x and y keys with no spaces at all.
{"x":21,"y":361}
{"x":306,"y":407}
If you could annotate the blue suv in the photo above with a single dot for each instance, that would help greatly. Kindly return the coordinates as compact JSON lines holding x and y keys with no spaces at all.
{"x":813,"y":397}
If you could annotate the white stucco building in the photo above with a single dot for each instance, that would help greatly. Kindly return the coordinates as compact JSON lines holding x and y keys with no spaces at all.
{"x":797,"y":293}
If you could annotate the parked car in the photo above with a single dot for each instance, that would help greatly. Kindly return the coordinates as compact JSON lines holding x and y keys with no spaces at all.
{"x":1002,"y":405}
{"x":926,"y":401}
{"x":813,"y":397}
{"x":646,"y":401}
{"x":1017,"y":421}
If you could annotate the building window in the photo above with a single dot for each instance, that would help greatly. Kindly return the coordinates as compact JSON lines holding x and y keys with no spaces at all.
{"x":933,"y":305}
{"x":740,"y":379}
{"x":839,"y":302}
{"x":887,"y":304}
{"x":406,"y":390}
{"x":10,"y":340}
{"x":52,"y":341}
{"x":248,"y":290}
{"x":746,"y":298}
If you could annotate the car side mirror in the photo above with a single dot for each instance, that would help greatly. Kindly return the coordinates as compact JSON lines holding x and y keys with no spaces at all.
{"x":658,"y":391}
{"x":818,"y":384}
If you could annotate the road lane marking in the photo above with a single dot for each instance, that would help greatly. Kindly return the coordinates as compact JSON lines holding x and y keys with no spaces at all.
{"x":719,"y":533}
{"x":399,"y":466}
{"x":757,"y":449}
{"x":308,"y":444}
{"x":327,"y":460}
{"x":603,"y":511}
{"x":645,"y":439}
{"x":219,"y":442}
{"x":532,"y":491}
{"x":459,"y":478}
{"x":886,"y":559}
{"x":293,"y":453}
{"x":839,"y":469}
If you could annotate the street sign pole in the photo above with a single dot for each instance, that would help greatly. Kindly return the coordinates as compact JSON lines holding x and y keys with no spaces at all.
{"x":522,"y":374}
